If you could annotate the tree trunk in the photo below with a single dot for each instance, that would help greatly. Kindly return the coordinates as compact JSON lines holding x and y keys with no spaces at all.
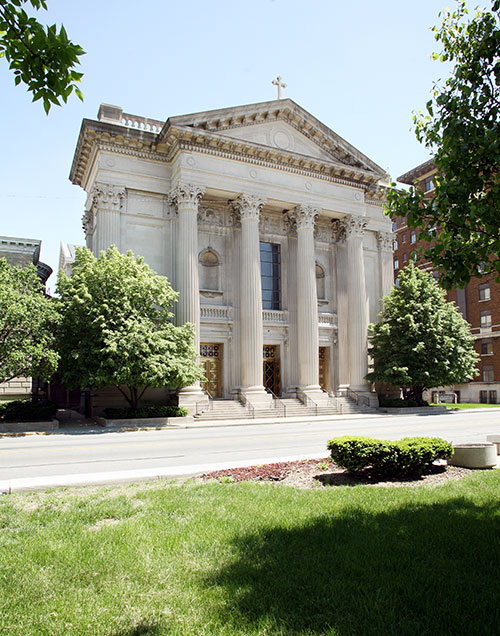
{"x":418,"y":392}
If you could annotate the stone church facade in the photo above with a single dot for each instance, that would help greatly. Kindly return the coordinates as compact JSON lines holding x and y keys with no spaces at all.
{"x":269,"y":225}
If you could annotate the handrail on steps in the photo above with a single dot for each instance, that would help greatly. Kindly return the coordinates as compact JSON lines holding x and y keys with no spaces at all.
{"x":308,"y":402}
{"x":202,"y":403}
{"x":246,"y":404}
{"x":277,"y":401}
{"x":332,"y":401}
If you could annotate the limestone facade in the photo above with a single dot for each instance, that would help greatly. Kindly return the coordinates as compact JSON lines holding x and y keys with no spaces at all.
{"x":269,"y":225}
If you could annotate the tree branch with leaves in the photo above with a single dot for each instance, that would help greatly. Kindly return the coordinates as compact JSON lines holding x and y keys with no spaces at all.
{"x":41,"y":57}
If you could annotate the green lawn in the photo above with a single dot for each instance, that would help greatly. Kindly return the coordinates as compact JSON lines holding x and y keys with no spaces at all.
{"x":472,"y":405}
{"x":249,"y":559}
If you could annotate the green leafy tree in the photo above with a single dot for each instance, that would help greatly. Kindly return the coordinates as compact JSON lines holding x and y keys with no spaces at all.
{"x":116,"y":327}
{"x":422,"y":341}
{"x":27,"y":322}
{"x":40,"y":57}
{"x":461,"y":128}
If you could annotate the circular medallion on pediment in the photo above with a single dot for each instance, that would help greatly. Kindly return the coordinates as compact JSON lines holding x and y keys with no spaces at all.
{"x":190,"y":161}
{"x":282,"y":140}
{"x":357,"y":196}
{"x":110,"y":162}
{"x":308,"y":185}
{"x":253,"y":173}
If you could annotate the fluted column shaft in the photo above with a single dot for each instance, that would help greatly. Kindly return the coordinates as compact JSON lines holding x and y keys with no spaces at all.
{"x":108,"y":229}
{"x":357,"y":302}
{"x":251,"y":334}
{"x":186,"y":197}
{"x":307,"y":300}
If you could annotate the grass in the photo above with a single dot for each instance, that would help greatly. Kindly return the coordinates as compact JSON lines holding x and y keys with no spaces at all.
{"x":251,"y":559}
{"x":472,"y":405}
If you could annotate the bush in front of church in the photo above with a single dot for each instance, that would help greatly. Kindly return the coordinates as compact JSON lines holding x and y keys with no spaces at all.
{"x":421,"y":341}
{"x":150,"y":411}
{"x":116,"y":328}
{"x":410,"y":456}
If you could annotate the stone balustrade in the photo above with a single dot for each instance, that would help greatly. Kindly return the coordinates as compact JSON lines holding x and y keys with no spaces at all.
{"x":216,"y":312}
{"x":274,"y":315}
{"x":327,"y":319}
{"x":141,"y":123}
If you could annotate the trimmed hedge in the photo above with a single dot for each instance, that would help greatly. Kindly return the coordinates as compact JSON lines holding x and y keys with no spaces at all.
{"x":27,"y":411}
{"x":408,"y":456}
{"x":154,"y":410}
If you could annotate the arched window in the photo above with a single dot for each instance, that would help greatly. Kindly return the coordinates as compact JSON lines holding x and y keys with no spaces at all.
{"x":209,"y":269}
{"x":320,"y":282}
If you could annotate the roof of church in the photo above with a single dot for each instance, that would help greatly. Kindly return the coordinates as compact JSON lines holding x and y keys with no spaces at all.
{"x":218,"y":131}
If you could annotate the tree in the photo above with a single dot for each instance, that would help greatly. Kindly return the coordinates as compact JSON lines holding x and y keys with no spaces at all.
{"x":422,"y":341}
{"x":116,"y":327}
{"x":27,"y":322}
{"x":462,"y":130}
{"x":42,"y":58}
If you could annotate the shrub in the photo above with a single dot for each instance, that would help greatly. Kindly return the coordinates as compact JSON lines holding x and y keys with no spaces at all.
{"x":400,"y":403}
{"x":26,"y":411}
{"x":154,"y":410}
{"x":408,"y":456}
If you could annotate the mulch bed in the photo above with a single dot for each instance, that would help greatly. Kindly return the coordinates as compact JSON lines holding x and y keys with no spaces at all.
{"x":320,"y":473}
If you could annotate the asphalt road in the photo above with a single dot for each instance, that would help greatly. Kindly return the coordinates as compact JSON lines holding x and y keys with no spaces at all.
{"x":41,"y":461}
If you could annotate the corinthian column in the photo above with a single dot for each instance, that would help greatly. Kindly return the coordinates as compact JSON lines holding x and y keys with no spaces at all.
{"x":307,"y":300}
{"x":385,"y":245}
{"x":251,"y":335}
{"x":357,"y":302}
{"x":186,"y":197}
{"x":107,"y":203}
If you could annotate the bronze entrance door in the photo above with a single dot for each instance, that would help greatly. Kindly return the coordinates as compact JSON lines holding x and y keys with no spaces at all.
{"x":272,"y":371}
{"x":211,"y":361}
{"x":323,"y":368}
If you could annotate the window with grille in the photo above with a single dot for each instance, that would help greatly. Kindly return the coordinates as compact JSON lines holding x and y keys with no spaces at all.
{"x":270,"y":275}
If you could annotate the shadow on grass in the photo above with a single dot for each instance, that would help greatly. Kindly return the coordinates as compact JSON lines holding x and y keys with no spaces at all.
{"x":420,"y":569}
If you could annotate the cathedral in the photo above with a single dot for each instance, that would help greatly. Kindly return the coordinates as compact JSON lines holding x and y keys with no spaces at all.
{"x":268,"y":224}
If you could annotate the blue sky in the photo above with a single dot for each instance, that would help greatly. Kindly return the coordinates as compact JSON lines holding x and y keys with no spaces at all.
{"x":360,"y":67}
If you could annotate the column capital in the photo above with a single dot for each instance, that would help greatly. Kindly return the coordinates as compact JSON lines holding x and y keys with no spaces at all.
{"x":352,"y":226}
{"x":187,"y":194}
{"x":88,"y":221}
{"x":248,"y":206}
{"x":110,"y":197}
{"x":305,"y":216}
{"x":385,"y":241}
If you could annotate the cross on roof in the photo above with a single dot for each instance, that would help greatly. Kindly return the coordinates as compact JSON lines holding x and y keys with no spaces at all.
{"x":277,"y":82}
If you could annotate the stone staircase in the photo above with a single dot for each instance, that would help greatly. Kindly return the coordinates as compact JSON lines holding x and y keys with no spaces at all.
{"x":285,"y":407}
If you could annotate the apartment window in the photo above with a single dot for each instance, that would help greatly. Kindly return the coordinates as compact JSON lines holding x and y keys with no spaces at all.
{"x":484,"y":291}
{"x":403,"y":238}
{"x":414,"y":257}
{"x":395,"y":244}
{"x":483,"y":397}
{"x":432,"y":230}
{"x":394,"y":226}
{"x":488,"y":373}
{"x":435,"y":275}
{"x":485,"y":319}
{"x":428,"y":184}
{"x":405,"y":258}
{"x":486,"y":348}
{"x":413,"y":237}
{"x":396,"y":263}
{"x":270,"y":275}
{"x":492,"y":397}
{"x":396,"y":282}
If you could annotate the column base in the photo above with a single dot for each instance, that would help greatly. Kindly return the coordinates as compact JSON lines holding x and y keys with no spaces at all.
{"x":257,"y":396}
{"x":192,"y":398}
{"x":314,"y":392}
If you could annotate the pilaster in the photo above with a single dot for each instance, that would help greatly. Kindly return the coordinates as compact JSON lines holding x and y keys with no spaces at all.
{"x":107,"y":204}
{"x":385,"y":246}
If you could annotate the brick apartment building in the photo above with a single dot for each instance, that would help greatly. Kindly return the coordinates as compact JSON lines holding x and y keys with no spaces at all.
{"x":479,"y":301}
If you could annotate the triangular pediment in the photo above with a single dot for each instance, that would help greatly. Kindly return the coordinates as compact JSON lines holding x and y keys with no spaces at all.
{"x":282,"y":125}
